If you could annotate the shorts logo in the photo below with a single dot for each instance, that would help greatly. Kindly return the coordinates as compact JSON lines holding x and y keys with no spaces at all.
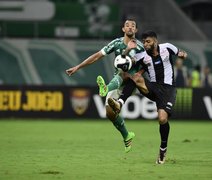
{"x":170,"y":104}
{"x":79,"y":100}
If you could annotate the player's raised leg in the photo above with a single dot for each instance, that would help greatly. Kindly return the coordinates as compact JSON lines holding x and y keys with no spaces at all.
{"x":103,"y":89}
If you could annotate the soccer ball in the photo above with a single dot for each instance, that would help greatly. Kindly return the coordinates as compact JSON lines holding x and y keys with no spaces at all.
{"x":123,"y":62}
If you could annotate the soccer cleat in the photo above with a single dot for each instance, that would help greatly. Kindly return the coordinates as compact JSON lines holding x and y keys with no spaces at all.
{"x":162,"y":156}
{"x":128,"y":141}
{"x":115,"y":105}
{"x":103,"y":89}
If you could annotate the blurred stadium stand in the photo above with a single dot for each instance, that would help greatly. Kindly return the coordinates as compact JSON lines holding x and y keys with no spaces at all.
{"x":72,"y":18}
{"x":40,"y":39}
{"x":166,"y":18}
{"x":200,"y":13}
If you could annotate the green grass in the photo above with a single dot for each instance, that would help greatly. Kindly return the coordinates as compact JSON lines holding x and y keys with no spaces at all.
{"x":93,"y":150}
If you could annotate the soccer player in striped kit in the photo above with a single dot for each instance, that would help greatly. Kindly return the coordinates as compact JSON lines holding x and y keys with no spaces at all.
{"x":160,"y":88}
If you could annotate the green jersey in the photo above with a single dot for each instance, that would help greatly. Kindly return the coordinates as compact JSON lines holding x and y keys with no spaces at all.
{"x":118,"y":47}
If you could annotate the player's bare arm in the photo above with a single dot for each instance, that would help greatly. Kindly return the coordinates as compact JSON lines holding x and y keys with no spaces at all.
{"x":182,"y":54}
{"x":90,"y":60}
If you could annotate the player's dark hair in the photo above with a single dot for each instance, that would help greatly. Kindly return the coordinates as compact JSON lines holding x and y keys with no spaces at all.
{"x":148,"y":33}
{"x":131,"y":19}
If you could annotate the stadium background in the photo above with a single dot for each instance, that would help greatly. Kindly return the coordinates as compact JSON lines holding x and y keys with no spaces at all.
{"x":53,"y":126}
{"x":41,"y":39}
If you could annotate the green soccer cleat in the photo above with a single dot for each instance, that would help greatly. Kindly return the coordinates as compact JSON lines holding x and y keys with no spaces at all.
{"x":128,"y":141}
{"x":103,"y":89}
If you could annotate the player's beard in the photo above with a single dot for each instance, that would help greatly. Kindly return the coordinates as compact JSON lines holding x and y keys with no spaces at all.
{"x":150,"y":49}
{"x":130,"y":34}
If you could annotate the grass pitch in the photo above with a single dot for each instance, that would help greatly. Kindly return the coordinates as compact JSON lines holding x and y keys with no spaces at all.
{"x":93,"y":150}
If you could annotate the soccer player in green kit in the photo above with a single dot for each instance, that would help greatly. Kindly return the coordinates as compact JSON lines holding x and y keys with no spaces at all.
{"x":113,"y":89}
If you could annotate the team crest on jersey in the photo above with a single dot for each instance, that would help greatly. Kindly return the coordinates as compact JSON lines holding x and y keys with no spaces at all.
{"x":79,"y":100}
{"x":132,"y":53}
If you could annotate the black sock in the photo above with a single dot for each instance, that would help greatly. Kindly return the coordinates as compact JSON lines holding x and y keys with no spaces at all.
{"x":128,"y":89}
{"x":164,"y":134}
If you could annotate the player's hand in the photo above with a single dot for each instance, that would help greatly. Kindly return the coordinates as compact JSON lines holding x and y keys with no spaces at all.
{"x":132,"y":44}
{"x":182,"y":54}
{"x":72,"y":70}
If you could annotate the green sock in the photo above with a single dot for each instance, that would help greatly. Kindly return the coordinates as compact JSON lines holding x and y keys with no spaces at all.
{"x":115,"y":83}
{"x":120,"y":125}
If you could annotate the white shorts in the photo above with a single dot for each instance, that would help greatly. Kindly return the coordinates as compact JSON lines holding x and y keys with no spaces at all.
{"x":113,"y":94}
{"x":116,"y":94}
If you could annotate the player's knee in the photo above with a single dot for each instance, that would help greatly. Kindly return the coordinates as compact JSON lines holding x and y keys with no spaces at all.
{"x":162,"y":119}
{"x":110,"y":113}
{"x":162,"y":116}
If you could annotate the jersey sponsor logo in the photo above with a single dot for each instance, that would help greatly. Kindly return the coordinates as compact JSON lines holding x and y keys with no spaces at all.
{"x":157,"y":62}
{"x":79,"y":99}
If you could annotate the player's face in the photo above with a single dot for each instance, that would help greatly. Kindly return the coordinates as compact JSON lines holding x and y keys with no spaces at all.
{"x":129,"y":28}
{"x":149,"y":44}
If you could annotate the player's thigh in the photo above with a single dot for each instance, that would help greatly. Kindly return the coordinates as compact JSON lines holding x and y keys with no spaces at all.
{"x":140,"y":84}
{"x":165,"y":98}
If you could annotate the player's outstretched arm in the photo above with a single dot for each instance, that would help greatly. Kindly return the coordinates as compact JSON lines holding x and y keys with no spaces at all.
{"x":90,"y":60}
{"x":72,"y":70}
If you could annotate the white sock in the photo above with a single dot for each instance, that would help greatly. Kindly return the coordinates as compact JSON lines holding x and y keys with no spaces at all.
{"x":121,"y":101}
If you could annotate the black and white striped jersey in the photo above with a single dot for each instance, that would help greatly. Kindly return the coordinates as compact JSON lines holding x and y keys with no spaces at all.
{"x":159,"y":68}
